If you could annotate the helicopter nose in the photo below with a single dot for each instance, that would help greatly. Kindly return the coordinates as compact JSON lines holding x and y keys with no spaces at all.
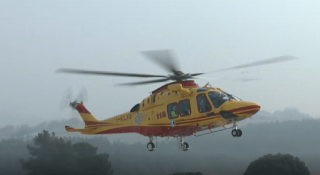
{"x":243,"y":108}
{"x":255,"y":107}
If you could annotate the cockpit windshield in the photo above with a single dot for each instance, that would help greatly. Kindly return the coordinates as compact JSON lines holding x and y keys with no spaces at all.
{"x":218,"y":98}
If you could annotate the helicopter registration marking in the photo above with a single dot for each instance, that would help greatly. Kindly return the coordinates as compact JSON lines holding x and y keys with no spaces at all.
{"x":161,"y":115}
{"x":123,"y":118}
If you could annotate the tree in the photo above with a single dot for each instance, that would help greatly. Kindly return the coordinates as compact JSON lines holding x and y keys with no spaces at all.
{"x":54,"y":156}
{"x":278,"y":164}
{"x":11,"y":150}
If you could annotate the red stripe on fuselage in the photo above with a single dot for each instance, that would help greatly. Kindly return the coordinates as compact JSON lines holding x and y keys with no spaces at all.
{"x":245,"y":108}
{"x":152,"y":131}
{"x":101,"y":125}
{"x":200,"y":118}
{"x":218,"y":116}
{"x":92,"y":123}
{"x":165,"y":130}
{"x":95,"y":123}
{"x":233,"y":110}
{"x":182,"y":122}
{"x":250,"y":112}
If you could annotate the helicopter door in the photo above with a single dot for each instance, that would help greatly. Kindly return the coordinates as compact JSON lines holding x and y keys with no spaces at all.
{"x":173,"y":110}
{"x":184,"y":107}
{"x":203,"y":103}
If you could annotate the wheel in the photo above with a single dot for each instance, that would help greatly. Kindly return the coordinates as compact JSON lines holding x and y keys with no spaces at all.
{"x":239,"y":133}
{"x":185,"y":146}
{"x":150,"y":146}
{"x":234,"y":133}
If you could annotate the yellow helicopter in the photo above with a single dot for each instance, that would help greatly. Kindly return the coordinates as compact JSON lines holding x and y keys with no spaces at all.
{"x":177,"y":109}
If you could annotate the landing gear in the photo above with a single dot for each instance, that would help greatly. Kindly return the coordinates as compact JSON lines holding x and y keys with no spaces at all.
{"x":184,"y":146}
{"x":236,"y":132}
{"x":151,"y":145}
{"x":239,"y":132}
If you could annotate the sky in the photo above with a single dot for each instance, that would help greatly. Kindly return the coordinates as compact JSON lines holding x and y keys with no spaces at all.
{"x":38,"y":37}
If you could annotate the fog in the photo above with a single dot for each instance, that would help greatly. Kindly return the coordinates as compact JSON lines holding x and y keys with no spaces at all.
{"x":26,"y":131}
{"x":209,"y":154}
{"x":38,"y":37}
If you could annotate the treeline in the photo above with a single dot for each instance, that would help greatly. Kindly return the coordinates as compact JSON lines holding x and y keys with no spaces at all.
{"x":218,"y":153}
{"x":28,"y":132}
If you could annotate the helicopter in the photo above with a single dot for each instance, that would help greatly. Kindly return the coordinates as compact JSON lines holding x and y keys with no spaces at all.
{"x":177,"y":109}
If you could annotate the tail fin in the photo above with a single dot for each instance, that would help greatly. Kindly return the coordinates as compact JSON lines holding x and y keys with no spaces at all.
{"x":87,"y":117}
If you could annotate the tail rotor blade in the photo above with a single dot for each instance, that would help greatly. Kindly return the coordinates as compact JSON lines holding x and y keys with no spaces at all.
{"x":82,"y":96}
{"x":67,"y":97}
{"x":70,"y":97}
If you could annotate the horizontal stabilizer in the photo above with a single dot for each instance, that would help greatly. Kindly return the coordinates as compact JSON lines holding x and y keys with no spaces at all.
{"x":72,"y":129}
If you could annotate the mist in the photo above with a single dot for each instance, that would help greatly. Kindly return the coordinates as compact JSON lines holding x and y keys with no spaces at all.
{"x":39,"y":37}
{"x":285,"y":131}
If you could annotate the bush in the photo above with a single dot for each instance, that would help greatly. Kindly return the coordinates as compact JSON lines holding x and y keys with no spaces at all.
{"x":279,"y":164}
{"x":54,"y":156}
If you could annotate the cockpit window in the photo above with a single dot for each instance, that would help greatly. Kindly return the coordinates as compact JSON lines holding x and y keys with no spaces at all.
{"x":203,"y":103}
{"x":202,"y":89}
{"x":218,"y":98}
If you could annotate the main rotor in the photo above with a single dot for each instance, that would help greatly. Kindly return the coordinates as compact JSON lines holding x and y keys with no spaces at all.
{"x":168,"y":61}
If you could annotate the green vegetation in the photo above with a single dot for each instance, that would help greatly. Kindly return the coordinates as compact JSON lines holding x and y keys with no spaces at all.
{"x":278,"y":164}
{"x":216,"y":154}
{"x":52,"y":156}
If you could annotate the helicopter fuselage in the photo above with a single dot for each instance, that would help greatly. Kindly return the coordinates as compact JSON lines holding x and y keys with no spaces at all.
{"x":176,"y":109}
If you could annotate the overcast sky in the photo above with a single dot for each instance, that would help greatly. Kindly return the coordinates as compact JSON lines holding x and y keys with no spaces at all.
{"x":37,"y":37}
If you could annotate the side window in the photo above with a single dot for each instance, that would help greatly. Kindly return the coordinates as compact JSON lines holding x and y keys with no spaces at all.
{"x":154,"y":98}
{"x":184,"y":107}
{"x":203,"y":103}
{"x":135,"y":108}
{"x":173,"y":110}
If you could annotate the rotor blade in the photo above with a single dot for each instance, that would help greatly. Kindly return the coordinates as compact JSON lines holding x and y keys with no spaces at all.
{"x":260,"y":63}
{"x":196,"y":74}
{"x":246,"y":79}
{"x":144,"y":82}
{"x":88,"y":72}
{"x":165,"y":58}
{"x":208,"y":78}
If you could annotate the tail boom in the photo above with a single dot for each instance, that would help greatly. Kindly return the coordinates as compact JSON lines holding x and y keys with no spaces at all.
{"x":88,"y":118}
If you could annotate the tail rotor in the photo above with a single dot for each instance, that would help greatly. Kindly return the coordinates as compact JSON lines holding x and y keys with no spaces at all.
{"x":71,"y":98}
